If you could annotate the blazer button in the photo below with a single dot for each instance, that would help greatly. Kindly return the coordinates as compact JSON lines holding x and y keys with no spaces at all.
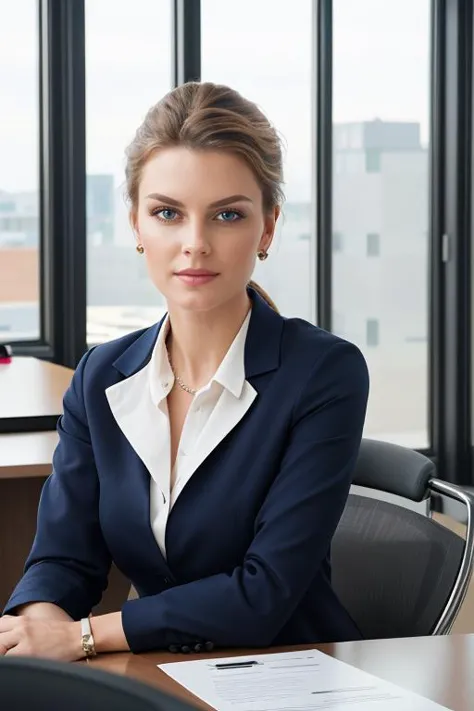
{"x":198,"y":648}
{"x":209,"y":646}
{"x":185,"y":649}
{"x":174,"y":648}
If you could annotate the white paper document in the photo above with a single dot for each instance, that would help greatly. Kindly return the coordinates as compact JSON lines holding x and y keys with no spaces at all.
{"x":293,"y":681}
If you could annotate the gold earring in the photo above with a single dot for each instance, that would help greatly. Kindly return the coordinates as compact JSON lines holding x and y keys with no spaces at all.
{"x":140,"y":248}
{"x":262,"y":255}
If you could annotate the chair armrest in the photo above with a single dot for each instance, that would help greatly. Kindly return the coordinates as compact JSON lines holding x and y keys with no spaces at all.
{"x":394,"y":469}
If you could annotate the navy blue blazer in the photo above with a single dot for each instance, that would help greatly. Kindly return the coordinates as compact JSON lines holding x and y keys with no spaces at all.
{"x":248,"y":539}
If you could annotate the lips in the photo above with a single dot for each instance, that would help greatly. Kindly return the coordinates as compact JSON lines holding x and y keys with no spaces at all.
{"x":196,"y":277}
{"x":196,"y":273}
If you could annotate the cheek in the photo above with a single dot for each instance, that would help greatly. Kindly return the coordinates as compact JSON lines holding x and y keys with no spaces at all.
{"x":244,"y":245}
{"x":242,"y":252}
{"x":148,"y":226}
{"x":154,"y":236}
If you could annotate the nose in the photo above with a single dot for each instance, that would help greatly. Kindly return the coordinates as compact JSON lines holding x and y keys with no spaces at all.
{"x":195,"y":240}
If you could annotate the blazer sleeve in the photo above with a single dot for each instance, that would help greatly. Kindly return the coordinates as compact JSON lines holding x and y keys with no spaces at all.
{"x":293,"y":530}
{"x":69,"y":561}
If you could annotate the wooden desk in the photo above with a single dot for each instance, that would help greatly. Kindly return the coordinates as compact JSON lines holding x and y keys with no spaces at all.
{"x":31,"y":393}
{"x":26,"y":454}
{"x":439,"y":668}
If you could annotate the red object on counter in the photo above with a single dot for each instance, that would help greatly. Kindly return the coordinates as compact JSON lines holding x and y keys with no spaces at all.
{"x":5,"y":354}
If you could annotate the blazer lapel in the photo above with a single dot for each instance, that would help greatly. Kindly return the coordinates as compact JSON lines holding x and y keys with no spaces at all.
{"x":226,"y":415}
{"x":263,"y":344}
{"x":144,"y":425}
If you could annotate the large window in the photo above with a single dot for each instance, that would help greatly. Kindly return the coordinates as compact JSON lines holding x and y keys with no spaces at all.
{"x":19,"y":224}
{"x":378,"y":242}
{"x":380,"y":187}
{"x":128,"y":69}
{"x":265,"y":53}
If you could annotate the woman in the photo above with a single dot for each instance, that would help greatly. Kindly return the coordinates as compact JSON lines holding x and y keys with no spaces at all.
{"x":209,"y":456}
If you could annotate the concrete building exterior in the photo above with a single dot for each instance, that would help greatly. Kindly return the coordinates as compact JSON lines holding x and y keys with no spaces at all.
{"x":380,"y":267}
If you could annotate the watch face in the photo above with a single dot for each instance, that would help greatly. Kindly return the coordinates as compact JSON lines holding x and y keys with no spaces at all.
{"x":88,"y":645}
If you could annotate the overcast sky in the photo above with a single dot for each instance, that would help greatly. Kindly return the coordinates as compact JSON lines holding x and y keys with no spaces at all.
{"x":260,"y":47}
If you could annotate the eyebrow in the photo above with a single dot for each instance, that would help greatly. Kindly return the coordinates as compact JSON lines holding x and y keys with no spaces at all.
{"x":217,"y":203}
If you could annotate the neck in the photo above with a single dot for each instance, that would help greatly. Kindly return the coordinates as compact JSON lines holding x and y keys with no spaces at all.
{"x":198,"y":341}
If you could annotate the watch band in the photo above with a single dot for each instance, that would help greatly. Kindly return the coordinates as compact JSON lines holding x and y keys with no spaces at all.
{"x":88,"y":646}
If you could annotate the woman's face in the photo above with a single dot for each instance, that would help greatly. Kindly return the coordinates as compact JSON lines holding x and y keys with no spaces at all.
{"x":201,"y":222}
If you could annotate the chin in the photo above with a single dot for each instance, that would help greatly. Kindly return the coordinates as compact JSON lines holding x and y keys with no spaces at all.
{"x":203,"y":298}
{"x":196,"y":301}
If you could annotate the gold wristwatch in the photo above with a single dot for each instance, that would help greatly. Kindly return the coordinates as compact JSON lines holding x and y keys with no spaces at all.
{"x":88,"y":646}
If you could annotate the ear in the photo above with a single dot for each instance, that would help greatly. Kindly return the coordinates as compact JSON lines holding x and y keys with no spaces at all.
{"x":270,"y":222}
{"x":133,"y":220}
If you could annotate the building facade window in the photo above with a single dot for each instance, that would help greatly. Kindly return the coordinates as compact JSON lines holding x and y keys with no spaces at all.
{"x":337,"y":242}
{"x":373,"y":244}
{"x":372,"y":332}
{"x":372,"y":161}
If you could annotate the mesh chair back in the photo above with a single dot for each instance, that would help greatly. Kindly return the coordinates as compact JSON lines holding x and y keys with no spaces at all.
{"x":40,"y":685}
{"x":392,"y":568}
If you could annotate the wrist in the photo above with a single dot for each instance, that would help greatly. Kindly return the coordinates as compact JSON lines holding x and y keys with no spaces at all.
{"x":108,"y":633}
{"x":77,"y":649}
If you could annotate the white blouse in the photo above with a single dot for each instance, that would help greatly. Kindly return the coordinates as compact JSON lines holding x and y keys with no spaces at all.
{"x":140,"y":408}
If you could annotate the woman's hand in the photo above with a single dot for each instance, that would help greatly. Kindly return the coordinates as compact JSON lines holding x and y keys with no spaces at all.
{"x":43,"y":611}
{"x":49,"y":639}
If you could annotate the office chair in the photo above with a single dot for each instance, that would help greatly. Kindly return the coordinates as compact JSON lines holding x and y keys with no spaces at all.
{"x":40,"y":685}
{"x":399,"y":573}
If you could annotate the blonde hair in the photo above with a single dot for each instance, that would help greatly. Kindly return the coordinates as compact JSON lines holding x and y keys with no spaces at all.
{"x":210,"y":116}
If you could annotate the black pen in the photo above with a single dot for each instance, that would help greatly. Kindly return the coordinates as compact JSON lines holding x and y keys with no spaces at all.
{"x":237,"y":665}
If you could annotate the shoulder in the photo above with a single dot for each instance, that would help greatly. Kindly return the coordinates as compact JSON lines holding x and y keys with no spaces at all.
{"x":107,"y":353}
{"x":98,"y":362}
{"x":304,"y":343}
{"x":313,"y":354}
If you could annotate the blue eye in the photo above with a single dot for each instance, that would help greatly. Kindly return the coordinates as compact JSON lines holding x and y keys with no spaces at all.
{"x":166,"y":214}
{"x":229,"y":216}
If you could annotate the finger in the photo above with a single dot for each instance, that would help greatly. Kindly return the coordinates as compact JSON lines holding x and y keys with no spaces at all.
{"x":16,"y":651}
{"x":8,"y":622}
{"x":7,"y":641}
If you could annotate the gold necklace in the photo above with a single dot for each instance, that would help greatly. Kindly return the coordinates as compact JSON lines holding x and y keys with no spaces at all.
{"x":181,"y":384}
